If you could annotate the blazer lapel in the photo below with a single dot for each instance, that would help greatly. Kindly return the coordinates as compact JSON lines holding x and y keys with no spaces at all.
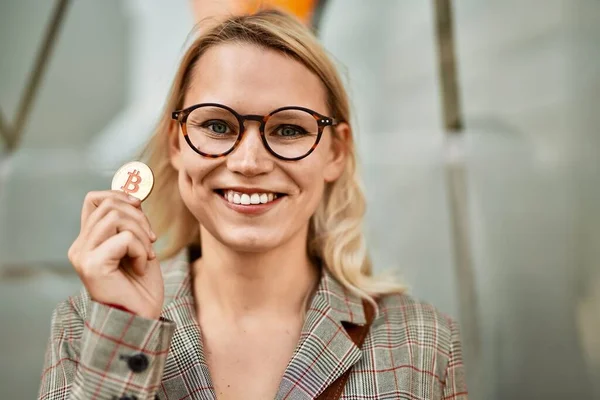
{"x":186,"y":371}
{"x":325,"y":350}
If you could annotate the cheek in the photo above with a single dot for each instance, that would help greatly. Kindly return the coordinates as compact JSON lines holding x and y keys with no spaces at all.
{"x":194,"y":194}
{"x":192,"y":173}
{"x":309,"y":177}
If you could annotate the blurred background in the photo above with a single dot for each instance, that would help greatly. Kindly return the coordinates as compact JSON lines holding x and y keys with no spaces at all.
{"x":477,"y":126}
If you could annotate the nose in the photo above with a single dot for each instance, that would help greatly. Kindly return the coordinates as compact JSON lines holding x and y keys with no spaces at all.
{"x":250,"y":158}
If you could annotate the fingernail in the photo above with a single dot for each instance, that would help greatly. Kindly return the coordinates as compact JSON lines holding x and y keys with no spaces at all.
{"x":133,"y":199}
{"x":152,"y":255}
{"x":153,"y":236}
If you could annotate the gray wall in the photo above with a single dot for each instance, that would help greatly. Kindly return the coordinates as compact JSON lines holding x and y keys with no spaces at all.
{"x":529,"y":79}
{"x":529,"y":76}
{"x":106,"y":79}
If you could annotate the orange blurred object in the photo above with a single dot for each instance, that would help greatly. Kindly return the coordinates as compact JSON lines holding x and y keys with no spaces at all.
{"x":209,"y":12}
{"x":303,"y":9}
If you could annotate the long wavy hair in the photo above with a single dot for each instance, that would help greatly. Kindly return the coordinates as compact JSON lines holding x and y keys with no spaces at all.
{"x":335,"y":235}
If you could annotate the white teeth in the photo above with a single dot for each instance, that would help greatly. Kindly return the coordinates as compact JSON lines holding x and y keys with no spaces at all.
{"x":247,"y":199}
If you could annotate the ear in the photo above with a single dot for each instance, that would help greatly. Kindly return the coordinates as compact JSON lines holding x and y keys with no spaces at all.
{"x":174,"y":147}
{"x":338,"y":152}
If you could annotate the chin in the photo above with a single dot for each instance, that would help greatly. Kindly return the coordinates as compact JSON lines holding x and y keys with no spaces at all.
{"x":250,"y":240}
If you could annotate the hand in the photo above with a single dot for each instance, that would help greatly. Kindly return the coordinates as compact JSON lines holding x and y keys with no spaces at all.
{"x":113,"y":254}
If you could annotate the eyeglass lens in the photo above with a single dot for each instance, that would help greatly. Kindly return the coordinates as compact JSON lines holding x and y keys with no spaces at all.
{"x":289,"y":133}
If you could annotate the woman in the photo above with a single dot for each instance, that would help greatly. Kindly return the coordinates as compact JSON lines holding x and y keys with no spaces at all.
{"x":267,"y":289}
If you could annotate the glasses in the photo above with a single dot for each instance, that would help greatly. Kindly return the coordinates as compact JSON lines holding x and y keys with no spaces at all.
{"x":288,"y":133}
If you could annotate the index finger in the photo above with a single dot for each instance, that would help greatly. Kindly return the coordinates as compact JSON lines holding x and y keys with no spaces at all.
{"x":93,"y":199}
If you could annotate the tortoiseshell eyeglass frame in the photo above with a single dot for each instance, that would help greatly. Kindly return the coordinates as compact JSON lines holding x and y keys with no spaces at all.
{"x":322,"y":121}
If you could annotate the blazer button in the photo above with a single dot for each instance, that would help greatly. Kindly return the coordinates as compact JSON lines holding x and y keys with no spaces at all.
{"x":138,"y":362}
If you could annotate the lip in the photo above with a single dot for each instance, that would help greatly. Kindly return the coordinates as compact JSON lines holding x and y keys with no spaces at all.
{"x":250,"y":209}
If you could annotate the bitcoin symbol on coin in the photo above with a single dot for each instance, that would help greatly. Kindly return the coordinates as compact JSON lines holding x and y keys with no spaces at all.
{"x":134,"y":180}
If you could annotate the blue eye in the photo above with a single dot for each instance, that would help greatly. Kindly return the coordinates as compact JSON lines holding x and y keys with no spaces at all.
{"x":217,"y":126}
{"x":291,"y":131}
{"x":288,"y":131}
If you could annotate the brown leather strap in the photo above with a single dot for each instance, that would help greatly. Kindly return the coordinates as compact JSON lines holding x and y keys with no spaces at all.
{"x":358,"y":334}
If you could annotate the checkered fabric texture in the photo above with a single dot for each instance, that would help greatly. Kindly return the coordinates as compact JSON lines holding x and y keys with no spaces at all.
{"x":411,"y":352}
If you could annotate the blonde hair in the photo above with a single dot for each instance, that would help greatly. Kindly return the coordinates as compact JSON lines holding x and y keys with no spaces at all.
{"x":335,"y":235}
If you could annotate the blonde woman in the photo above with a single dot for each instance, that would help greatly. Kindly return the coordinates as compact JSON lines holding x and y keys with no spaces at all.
{"x":265,"y":290}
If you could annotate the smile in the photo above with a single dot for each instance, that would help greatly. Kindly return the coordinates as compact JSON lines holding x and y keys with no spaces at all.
{"x":248,"y":198}
{"x":250,"y":201}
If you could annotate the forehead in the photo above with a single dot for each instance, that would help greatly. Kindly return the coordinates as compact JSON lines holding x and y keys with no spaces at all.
{"x":253,"y":80}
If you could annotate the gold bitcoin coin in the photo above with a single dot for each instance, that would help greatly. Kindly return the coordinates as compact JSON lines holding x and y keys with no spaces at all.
{"x":134,"y":178}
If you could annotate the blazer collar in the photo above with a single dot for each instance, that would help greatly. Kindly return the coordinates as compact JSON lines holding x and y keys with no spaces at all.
{"x":324,"y":352}
{"x":343,"y":305}
{"x":186,"y":343}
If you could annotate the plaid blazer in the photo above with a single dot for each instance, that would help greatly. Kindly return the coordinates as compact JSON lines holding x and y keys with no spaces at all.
{"x":98,"y":352}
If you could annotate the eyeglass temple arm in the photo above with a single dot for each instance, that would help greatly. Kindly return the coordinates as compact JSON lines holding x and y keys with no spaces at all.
{"x":327,"y":121}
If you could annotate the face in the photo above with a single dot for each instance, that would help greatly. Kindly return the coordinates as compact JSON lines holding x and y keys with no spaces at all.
{"x":254,"y":80}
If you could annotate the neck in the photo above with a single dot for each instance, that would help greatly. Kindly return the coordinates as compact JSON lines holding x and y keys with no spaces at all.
{"x":234,"y":285}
